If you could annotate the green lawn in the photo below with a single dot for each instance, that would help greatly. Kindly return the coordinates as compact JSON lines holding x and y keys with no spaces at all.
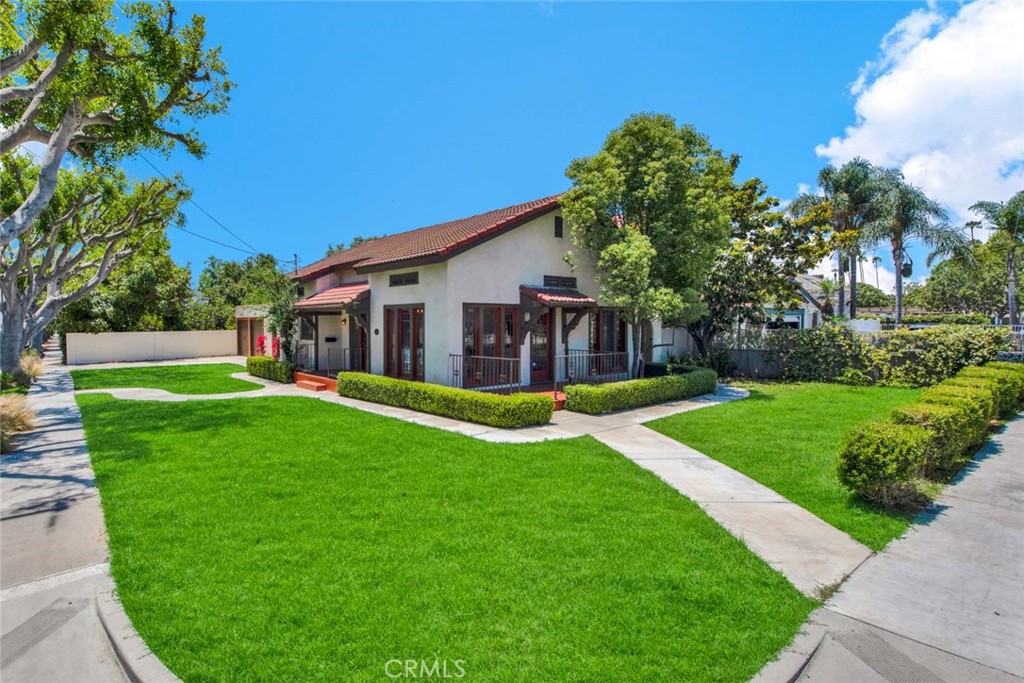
{"x":213,"y":378}
{"x":285,"y":539}
{"x":786,"y":436}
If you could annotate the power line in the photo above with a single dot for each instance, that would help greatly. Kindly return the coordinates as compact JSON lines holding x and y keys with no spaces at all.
{"x":251,"y":249}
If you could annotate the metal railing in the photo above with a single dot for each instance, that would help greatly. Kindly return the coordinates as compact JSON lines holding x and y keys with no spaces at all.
{"x":305,"y":357}
{"x":355,"y":360}
{"x":333,"y":360}
{"x":485,"y":373}
{"x":585,"y":367}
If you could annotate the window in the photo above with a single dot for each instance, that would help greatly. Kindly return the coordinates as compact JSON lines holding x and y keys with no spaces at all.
{"x":300,"y":291}
{"x":305,"y":329}
{"x":560,"y":281}
{"x":403,"y":342}
{"x":490,"y":330}
{"x":402,"y":279}
{"x":558,"y":227}
{"x":607,"y":332}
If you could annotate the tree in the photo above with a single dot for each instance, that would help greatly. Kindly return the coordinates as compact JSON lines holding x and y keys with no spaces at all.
{"x":875,"y":260}
{"x":93,"y":222}
{"x":828,"y":289}
{"x":148,"y":292}
{"x":849,"y":191}
{"x":225,"y":284}
{"x":975,"y":285}
{"x":902,"y":214}
{"x":670,"y":185}
{"x":77,"y":86}
{"x":869,"y":295}
{"x":333,"y":249}
{"x":1006,"y":219}
{"x":759,"y":266}
{"x":625,"y":275}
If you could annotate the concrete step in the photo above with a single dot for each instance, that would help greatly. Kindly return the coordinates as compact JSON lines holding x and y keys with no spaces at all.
{"x":310,"y":385}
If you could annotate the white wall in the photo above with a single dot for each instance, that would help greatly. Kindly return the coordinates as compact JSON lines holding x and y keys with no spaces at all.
{"x":108,"y":347}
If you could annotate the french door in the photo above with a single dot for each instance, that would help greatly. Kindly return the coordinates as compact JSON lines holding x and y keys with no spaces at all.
{"x":403,"y":342}
{"x":540,"y":350}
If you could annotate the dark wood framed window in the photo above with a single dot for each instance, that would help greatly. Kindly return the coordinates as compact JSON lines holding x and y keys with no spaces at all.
{"x":490,"y":338}
{"x":402,"y":279}
{"x":560,"y":281}
{"x":403,"y":341}
{"x":559,"y":228}
{"x":607,"y":332}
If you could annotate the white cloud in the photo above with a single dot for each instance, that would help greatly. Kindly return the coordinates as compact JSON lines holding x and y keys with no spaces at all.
{"x":944,"y":101}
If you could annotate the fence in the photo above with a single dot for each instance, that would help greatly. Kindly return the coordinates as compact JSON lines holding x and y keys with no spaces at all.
{"x":333,"y":360}
{"x":110,"y":347}
{"x":584,"y":367}
{"x":486,"y":373}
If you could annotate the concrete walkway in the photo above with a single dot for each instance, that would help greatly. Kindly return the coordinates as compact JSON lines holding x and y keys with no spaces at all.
{"x":812,"y":554}
{"x":943,"y":603}
{"x":54,"y":559}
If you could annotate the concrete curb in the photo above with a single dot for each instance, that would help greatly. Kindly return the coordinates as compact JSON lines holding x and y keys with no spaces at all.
{"x":135,"y":657}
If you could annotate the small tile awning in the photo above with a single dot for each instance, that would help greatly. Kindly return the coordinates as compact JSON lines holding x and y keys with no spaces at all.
{"x":335,"y":298}
{"x":558,"y":296}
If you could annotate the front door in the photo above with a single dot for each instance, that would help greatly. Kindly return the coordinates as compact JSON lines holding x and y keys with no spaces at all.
{"x":540,"y":350}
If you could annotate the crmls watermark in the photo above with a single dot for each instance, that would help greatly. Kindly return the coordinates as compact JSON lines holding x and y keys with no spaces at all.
{"x":422,"y":668}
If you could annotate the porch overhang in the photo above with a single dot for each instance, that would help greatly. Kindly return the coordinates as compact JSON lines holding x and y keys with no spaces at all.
{"x":353,"y":297}
{"x":534,"y":302}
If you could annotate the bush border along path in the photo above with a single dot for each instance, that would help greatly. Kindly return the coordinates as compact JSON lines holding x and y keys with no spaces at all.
{"x":596,"y":399}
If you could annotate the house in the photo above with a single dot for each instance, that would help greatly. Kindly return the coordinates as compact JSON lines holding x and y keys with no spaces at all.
{"x":486,"y":301}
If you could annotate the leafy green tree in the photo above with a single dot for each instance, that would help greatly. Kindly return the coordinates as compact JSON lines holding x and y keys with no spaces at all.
{"x":94,"y":221}
{"x":869,"y":295}
{"x":975,"y":285}
{"x":849,"y":192}
{"x":225,"y":284}
{"x":626,"y":281}
{"x":1006,"y":219}
{"x":904,"y":214}
{"x":333,"y":249}
{"x":79,"y":85}
{"x":149,"y":292}
{"x":667,"y":183}
{"x":759,"y":266}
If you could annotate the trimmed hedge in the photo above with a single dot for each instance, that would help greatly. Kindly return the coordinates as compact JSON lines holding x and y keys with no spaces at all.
{"x":884,"y":464}
{"x":903,"y":357}
{"x":515,"y":410}
{"x":268,"y":368}
{"x":595,"y":399}
{"x":883,"y":461}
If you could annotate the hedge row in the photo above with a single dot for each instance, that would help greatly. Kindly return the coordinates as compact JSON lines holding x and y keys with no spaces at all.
{"x":595,"y":399}
{"x":935,"y":318}
{"x":515,"y":410}
{"x":903,"y":357}
{"x":890,"y":463}
{"x":268,"y":368}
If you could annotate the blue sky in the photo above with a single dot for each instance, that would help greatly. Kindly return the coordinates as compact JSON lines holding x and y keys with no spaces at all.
{"x":364,"y":119}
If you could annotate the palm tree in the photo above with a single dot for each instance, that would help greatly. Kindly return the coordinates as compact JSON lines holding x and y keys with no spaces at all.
{"x":828,"y":296}
{"x":875,"y":260}
{"x":849,"y":191}
{"x":903,"y":214}
{"x":1006,"y":219}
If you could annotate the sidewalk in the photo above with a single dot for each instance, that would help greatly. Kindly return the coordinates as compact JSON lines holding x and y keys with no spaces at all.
{"x":943,"y":603}
{"x":53,"y":561}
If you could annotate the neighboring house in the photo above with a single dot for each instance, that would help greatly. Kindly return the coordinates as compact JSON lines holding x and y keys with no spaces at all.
{"x":483,"y":301}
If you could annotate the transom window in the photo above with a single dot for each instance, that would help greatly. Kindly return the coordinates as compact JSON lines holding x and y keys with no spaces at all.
{"x":402,"y":279}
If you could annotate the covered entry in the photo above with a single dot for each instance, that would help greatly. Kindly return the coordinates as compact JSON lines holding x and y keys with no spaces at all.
{"x":334,"y":329}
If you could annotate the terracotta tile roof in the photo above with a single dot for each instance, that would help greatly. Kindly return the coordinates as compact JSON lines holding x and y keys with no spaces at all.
{"x":336,"y":296}
{"x":435,"y":241}
{"x":558,"y":296}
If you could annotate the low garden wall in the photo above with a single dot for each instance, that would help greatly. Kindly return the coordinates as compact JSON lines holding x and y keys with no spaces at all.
{"x":109,"y":347}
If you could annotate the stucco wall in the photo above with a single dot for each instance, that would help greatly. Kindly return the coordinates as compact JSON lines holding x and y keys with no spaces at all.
{"x":108,"y":347}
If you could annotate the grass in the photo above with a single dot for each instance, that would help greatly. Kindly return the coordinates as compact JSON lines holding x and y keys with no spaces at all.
{"x":288,"y":539}
{"x":212,"y":378}
{"x":786,"y":436}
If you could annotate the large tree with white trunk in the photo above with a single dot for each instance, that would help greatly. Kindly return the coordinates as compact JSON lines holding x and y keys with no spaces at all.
{"x":69,"y":81}
{"x":93,"y":222}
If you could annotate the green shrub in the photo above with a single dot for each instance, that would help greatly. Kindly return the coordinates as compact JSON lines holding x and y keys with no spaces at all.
{"x":16,"y":382}
{"x":673,"y":367}
{"x":883,"y":462}
{"x":1011,"y":380}
{"x":900,"y":357}
{"x":595,"y":399}
{"x":947,"y":394}
{"x":1006,"y":365}
{"x":268,"y":368}
{"x":719,"y":360}
{"x":1004,"y":394}
{"x":937,"y":318}
{"x":958,"y":428}
{"x":854,"y":378}
{"x":515,"y":410}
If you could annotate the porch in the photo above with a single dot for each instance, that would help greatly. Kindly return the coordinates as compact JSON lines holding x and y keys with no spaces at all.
{"x":334,"y":335}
